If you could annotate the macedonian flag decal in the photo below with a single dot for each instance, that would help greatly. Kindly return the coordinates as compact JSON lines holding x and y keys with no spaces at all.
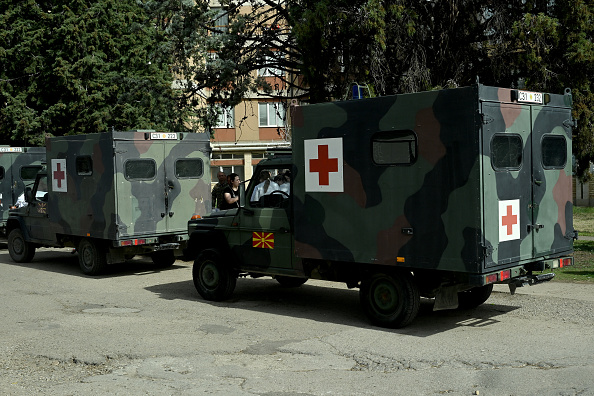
{"x":264,"y":240}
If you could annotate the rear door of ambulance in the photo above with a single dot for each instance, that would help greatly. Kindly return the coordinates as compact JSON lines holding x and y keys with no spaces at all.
{"x":527,"y":180}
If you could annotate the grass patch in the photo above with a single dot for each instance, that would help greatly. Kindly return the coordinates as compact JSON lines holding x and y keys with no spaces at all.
{"x":582,"y":270}
{"x":583,"y":220}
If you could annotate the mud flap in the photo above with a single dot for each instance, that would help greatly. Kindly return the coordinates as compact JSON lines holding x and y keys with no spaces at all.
{"x":446,"y":298}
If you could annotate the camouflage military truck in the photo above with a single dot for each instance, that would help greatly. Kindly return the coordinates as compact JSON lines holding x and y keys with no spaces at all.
{"x":18,"y":167}
{"x":435,"y":194}
{"x":115,"y":195}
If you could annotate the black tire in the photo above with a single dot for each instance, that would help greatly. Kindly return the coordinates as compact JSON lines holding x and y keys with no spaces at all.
{"x":290,"y":281}
{"x":163,"y":258}
{"x":91,"y":258}
{"x":213,"y":279}
{"x":390,"y":300}
{"x":19,"y":249}
{"x":474,"y":297}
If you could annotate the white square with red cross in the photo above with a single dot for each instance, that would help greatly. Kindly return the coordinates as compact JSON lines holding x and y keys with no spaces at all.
{"x":509,"y":220}
{"x":58,"y":175}
{"x":323,"y":165}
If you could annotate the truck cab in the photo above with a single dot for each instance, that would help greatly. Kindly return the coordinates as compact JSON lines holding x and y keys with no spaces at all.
{"x":257,"y":237}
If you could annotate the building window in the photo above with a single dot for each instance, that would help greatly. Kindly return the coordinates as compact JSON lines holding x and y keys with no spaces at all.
{"x":227,"y":170}
{"x":269,"y":70}
{"x":506,"y":152}
{"x":226,"y":117}
{"x":226,"y":156}
{"x":140,"y":169}
{"x":554,"y":151}
{"x":272,"y":114}
{"x":394,"y":147}
{"x":221,"y":20}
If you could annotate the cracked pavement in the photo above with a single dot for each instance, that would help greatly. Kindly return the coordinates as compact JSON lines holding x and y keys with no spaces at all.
{"x":140,"y":330}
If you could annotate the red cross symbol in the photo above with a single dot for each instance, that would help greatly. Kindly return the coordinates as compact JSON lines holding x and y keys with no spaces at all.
{"x":59,"y":174}
{"x":509,"y":220}
{"x":323,"y":165}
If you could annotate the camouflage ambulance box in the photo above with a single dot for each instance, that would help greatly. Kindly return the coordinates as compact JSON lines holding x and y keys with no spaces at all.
{"x":466,"y":180}
{"x":436,"y":194}
{"x":113,"y":195}
{"x":18,"y":168}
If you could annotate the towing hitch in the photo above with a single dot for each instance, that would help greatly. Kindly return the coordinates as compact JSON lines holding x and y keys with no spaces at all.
{"x":530,"y":280}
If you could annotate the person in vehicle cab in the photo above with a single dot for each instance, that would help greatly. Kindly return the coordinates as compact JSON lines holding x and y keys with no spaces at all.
{"x":265,"y":187}
{"x":231,"y":193}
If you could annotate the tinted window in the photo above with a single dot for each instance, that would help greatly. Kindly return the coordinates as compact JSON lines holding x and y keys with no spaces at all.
{"x":554,"y":151}
{"x":189,"y":168}
{"x":84,"y":166}
{"x":506,"y":152}
{"x":1,"y":172}
{"x":394,"y":148}
{"x":140,"y":169}
{"x":29,"y":172}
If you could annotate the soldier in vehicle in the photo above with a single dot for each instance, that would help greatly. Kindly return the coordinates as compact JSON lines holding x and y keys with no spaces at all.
{"x":217,"y":190}
{"x":286,"y":184}
{"x":231,"y":193}
{"x":265,"y":187}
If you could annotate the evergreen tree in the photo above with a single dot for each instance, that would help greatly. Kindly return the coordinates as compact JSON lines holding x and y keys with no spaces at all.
{"x":81,"y":66}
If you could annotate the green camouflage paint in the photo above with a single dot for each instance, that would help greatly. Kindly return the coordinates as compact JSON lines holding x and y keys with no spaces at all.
{"x":121,"y":186}
{"x":461,"y":187}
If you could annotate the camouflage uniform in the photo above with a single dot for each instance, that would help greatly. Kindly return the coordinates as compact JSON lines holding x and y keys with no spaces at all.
{"x":217,"y":194}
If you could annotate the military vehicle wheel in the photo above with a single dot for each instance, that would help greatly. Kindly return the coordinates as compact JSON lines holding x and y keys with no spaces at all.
{"x":213,"y":279}
{"x":390,"y":300}
{"x":474,"y":297}
{"x":91,"y":258}
{"x":163,"y":258}
{"x":290,"y":281}
{"x":20,"y":250}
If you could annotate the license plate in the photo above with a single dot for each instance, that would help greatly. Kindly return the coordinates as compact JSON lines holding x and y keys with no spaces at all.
{"x":163,"y":136}
{"x":530,"y":97}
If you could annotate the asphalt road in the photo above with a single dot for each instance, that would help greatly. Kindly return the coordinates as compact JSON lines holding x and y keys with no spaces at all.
{"x":143,"y":331}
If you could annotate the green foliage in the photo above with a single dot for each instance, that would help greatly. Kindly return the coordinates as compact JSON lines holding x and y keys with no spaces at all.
{"x":72,"y":67}
{"x":86,"y":66}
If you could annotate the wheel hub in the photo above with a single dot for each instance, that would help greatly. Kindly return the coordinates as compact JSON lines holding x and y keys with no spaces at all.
{"x":210,"y":275}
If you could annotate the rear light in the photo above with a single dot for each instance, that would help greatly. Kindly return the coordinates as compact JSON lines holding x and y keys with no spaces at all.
{"x":491,"y":278}
{"x":138,"y":242}
{"x":196,"y":217}
{"x":565,"y":262}
{"x":505,"y":275}
{"x":562,"y":262}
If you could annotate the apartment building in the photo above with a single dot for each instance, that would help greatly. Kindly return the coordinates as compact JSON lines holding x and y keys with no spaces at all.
{"x":259,"y":123}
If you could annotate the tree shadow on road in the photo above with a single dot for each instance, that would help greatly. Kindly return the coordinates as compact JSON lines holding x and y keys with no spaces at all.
{"x":333,"y":304}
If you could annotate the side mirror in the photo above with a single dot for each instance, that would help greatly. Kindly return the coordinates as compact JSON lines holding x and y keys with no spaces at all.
{"x":28,"y":195}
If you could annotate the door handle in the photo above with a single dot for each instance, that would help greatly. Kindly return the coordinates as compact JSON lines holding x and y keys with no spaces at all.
{"x":162,"y":214}
{"x":170,"y":214}
{"x":535,"y":227}
{"x":537,"y":182}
